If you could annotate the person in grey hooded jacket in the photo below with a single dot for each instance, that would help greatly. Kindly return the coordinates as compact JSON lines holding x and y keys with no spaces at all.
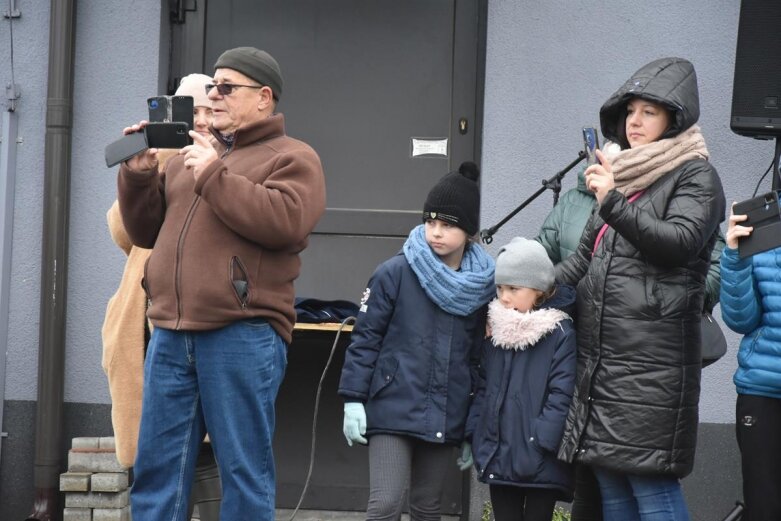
{"x":640,"y":270}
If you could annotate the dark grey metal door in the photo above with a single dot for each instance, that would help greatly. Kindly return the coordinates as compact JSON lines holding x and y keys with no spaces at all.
{"x":372,"y":85}
{"x":363,"y":79}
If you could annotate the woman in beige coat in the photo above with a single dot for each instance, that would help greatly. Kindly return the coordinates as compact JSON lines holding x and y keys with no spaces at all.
{"x":125,"y":328}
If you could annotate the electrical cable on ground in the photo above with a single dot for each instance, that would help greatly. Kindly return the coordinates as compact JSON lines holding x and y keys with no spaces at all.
{"x":347,"y":320}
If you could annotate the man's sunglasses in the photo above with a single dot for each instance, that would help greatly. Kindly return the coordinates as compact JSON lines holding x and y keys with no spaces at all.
{"x":225,"y":89}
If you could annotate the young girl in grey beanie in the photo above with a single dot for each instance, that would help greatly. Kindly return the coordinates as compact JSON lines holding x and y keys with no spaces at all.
{"x":408,"y":373}
{"x":525,"y":386}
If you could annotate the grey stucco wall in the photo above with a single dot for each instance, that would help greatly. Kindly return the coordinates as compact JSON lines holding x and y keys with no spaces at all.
{"x":30,"y":54}
{"x":550,"y":66}
{"x":116,"y":68}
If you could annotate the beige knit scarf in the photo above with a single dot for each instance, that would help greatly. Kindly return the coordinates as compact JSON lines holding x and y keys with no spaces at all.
{"x":636,"y":169}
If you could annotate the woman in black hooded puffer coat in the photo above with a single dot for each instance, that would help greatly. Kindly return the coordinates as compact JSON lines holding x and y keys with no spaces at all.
{"x":640,"y":271}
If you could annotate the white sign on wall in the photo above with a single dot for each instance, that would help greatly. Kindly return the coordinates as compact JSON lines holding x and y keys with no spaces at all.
{"x":429,"y":147}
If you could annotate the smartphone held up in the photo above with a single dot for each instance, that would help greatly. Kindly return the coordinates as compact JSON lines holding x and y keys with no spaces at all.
{"x":170,"y":120}
{"x":591,"y":144}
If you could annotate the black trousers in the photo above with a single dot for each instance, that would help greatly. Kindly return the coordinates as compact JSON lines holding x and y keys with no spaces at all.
{"x":522,"y":504}
{"x":758,"y":430}
{"x":587,"y":505}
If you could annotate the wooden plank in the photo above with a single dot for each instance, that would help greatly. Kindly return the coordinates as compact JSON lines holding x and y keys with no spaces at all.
{"x":324,"y":326}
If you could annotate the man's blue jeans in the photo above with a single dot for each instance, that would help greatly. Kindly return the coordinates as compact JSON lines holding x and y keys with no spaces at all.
{"x":223,"y":382}
{"x":628,"y":497}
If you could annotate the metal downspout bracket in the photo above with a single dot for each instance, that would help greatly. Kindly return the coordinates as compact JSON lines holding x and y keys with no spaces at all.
{"x":12,"y":11}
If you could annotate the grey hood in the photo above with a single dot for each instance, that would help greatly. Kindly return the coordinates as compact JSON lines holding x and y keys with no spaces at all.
{"x":671,"y":82}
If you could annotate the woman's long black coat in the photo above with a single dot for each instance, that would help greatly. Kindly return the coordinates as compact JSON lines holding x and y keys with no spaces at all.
{"x":640,"y":298}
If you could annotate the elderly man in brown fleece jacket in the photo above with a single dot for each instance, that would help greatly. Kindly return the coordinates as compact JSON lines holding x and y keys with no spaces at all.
{"x":227,"y":221}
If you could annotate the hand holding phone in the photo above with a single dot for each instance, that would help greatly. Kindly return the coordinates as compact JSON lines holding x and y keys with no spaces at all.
{"x":599,"y":175}
{"x":124,"y":148}
{"x":763,"y":215}
{"x":133,"y":147}
{"x":591,"y":144}
{"x":171,"y":120}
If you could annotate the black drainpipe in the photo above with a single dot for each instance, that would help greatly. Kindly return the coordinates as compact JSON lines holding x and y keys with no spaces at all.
{"x":54,"y":263}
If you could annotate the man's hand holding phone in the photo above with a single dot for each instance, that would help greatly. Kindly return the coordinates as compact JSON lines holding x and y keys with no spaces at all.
{"x":146,"y":160}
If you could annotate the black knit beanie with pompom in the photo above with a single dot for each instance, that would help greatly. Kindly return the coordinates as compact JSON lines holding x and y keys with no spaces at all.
{"x":456,"y":199}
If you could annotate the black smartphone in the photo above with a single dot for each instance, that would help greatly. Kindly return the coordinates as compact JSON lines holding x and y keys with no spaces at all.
{"x":764,"y":214}
{"x":591,"y":144}
{"x":158,"y":108}
{"x":182,"y":109}
{"x":167,"y":135}
{"x":125,"y":148}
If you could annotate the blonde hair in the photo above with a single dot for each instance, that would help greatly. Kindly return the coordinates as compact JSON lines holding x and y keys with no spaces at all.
{"x":544,"y":296}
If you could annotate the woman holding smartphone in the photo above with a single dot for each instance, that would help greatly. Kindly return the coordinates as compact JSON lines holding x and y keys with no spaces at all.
{"x":640,"y":269}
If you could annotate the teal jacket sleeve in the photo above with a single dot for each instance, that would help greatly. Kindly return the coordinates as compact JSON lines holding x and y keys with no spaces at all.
{"x":713,"y":281}
{"x":550,"y":233}
{"x":563,"y":227}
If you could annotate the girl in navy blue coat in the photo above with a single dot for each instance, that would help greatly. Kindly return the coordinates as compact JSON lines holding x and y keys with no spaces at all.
{"x":408,"y":372}
{"x":527,"y":378}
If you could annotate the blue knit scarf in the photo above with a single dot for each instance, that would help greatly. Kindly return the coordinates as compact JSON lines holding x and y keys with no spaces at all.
{"x":458,"y":292}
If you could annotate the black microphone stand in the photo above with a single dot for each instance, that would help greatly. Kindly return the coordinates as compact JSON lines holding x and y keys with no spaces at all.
{"x":554,"y":183}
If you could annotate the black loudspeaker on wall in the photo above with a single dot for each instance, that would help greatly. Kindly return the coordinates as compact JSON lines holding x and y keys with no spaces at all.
{"x":756,"y":89}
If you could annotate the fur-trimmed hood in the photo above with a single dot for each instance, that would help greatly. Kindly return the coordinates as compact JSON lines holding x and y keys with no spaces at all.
{"x":511,"y":329}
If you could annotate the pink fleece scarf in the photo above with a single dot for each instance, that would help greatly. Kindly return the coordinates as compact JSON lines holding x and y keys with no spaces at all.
{"x":511,"y":329}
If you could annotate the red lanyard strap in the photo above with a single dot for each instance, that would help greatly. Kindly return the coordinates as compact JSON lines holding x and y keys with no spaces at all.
{"x":605,"y":226}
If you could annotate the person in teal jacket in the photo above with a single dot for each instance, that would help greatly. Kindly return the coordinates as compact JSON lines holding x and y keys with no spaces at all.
{"x":751,"y":306}
{"x":560,"y":235}
{"x":561,"y":231}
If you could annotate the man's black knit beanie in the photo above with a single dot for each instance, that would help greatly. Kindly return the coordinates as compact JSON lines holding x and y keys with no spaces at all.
{"x":253,"y":63}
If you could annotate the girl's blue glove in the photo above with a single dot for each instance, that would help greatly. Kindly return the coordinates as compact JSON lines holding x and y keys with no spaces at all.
{"x":354,"y":423}
{"x":465,"y":460}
